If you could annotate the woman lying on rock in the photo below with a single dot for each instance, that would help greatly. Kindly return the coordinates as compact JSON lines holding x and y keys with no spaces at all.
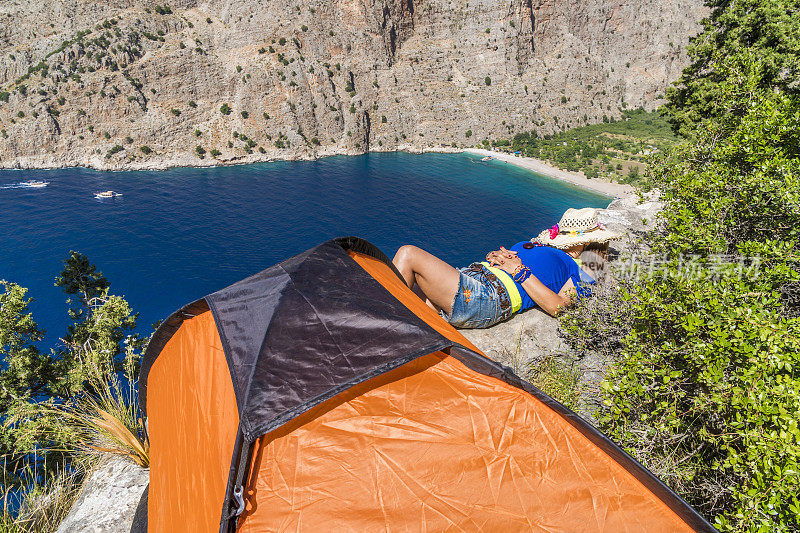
{"x":550,"y":271}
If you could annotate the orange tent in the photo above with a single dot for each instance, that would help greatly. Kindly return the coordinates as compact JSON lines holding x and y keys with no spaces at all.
{"x":322,"y":395}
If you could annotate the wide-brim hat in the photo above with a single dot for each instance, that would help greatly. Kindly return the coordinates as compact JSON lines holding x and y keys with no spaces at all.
{"x":577,"y":226}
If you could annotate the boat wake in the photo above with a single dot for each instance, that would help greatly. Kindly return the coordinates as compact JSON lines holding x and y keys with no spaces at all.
{"x":34,"y":184}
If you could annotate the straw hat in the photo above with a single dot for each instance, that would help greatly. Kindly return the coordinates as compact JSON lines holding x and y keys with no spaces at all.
{"x":577,"y":226}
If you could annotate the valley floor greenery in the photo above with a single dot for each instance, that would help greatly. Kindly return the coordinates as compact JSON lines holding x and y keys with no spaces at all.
{"x":615,"y":149}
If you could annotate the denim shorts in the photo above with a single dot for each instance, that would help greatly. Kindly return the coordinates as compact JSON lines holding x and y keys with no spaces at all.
{"x":480,"y":301}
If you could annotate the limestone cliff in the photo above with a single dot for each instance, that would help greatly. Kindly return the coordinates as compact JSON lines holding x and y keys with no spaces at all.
{"x":132,"y":84}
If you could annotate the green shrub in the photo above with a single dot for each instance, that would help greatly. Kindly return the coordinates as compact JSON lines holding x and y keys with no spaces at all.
{"x":215,"y":153}
{"x":245,"y":114}
{"x":176,"y":112}
{"x":282,"y":41}
{"x":113,"y":150}
{"x":146,"y":150}
{"x":225,"y":109}
{"x":705,"y":391}
{"x":200,"y":151}
{"x":4,"y":95}
{"x":487,"y":80}
{"x":192,"y":104}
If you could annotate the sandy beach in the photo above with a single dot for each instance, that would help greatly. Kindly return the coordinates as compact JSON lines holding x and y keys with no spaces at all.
{"x":603,"y":186}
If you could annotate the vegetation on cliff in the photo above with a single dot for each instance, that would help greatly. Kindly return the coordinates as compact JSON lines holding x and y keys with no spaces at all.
{"x":704,"y":388}
{"x":60,"y":409}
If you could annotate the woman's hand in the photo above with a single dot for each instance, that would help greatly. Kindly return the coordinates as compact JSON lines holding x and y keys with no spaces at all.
{"x":505,"y":260}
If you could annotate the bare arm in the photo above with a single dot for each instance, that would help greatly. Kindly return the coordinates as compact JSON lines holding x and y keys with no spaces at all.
{"x":549,"y":301}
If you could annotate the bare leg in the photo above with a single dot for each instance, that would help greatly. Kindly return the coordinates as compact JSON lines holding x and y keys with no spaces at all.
{"x":437,"y":280}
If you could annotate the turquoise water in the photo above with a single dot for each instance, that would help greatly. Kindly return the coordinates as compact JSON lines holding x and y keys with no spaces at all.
{"x":177,"y":235}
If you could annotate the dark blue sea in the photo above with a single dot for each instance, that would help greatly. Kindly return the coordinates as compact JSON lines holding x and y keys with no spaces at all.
{"x":180,"y":234}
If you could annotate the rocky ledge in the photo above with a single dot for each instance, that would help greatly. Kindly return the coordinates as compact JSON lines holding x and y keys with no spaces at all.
{"x":533,"y":336}
{"x":113,"y":500}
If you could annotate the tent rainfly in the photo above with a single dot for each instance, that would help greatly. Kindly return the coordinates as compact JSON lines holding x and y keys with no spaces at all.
{"x":322,"y":394}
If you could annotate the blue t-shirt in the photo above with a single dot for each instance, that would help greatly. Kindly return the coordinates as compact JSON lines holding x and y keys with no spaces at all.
{"x":553,"y":267}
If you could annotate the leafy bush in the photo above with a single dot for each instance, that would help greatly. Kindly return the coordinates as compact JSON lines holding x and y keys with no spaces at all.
{"x":245,"y":114}
{"x":704,"y":390}
{"x":146,"y":150}
{"x":487,"y":80}
{"x":176,"y":112}
{"x":225,"y":109}
{"x":97,"y":342}
{"x":200,"y":151}
{"x":215,"y":153}
{"x":767,"y":29}
{"x":113,"y":150}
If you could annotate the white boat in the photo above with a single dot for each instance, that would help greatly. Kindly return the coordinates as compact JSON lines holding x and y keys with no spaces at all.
{"x":487,"y":158}
{"x":35,"y":184}
{"x":107,"y":194}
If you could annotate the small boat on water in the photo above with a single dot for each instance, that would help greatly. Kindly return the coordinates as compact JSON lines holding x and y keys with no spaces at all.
{"x":487,"y":158}
{"x":35,"y":184}
{"x":107,"y":194}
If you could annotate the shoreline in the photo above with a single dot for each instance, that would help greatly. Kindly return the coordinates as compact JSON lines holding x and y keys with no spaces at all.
{"x":542,"y":168}
{"x":598,"y":185}
{"x":182,"y":160}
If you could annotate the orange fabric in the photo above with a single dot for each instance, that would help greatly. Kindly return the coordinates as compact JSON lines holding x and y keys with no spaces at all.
{"x":192,"y":419}
{"x":386,"y":277}
{"x":435,"y":446}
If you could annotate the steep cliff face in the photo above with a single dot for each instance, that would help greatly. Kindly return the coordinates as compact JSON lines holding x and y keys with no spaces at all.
{"x":91,"y":83}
